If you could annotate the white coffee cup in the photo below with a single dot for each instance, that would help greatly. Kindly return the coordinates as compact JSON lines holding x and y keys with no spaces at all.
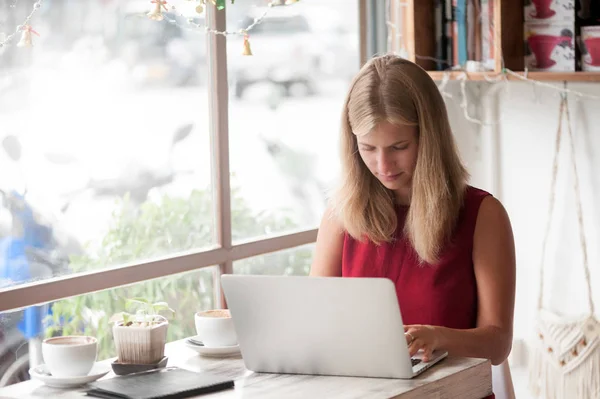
{"x":215,"y":328}
{"x":70,"y":356}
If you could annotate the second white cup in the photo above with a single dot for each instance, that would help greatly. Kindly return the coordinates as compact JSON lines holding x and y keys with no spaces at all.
{"x":215,"y":328}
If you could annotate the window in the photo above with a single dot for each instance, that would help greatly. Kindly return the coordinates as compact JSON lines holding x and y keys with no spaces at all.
{"x":285,"y":104}
{"x":89,"y":314}
{"x":134,"y":160}
{"x":291,"y":262}
{"x":106,"y":141}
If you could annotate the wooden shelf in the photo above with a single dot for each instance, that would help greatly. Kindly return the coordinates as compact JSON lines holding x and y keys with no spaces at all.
{"x":542,"y":76}
{"x":418,"y":26}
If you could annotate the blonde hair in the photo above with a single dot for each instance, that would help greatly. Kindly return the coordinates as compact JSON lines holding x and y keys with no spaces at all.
{"x":395,"y":90}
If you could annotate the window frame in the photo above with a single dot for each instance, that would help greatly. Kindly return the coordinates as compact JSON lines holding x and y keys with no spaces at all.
{"x":224,"y":253}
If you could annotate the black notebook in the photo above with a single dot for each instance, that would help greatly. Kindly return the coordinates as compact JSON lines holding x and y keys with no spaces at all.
{"x":170,"y":383}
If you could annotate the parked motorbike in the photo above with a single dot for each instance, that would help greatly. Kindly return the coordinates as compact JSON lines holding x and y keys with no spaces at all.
{"x":31,"y":248}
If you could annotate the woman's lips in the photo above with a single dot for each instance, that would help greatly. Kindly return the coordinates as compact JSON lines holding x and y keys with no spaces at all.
{"x":389,"y":178}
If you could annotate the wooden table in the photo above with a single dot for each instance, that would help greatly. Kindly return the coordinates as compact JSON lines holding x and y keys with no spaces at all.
{"x":453,"y":377}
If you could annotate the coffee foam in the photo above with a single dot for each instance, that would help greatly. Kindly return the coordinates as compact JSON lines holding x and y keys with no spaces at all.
{"x":70,"y":340}
{"x":218,"y":313}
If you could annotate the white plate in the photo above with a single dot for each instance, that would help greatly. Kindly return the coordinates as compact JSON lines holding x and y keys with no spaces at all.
{"x":41,"y":373}
{"x":221,"y":351}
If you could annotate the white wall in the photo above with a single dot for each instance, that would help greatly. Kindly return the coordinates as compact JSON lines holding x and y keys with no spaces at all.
{"x":520,"y":177}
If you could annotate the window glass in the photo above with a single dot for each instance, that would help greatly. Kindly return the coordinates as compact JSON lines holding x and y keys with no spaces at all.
{"x":285,"y":106}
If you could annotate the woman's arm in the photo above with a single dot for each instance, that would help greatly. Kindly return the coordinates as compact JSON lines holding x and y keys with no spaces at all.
{"x":495,"y":270}
{"x":328,"y":253}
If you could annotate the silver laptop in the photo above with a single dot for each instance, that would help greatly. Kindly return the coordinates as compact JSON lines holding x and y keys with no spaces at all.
{"x":321,"y":326}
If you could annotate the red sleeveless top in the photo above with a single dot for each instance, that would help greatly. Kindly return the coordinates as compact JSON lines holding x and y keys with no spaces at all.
{"x":444,"y":294}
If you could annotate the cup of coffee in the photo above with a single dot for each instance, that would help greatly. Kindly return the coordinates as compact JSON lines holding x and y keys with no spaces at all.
{"x":70,"y":356}
{"x":215,"y":328}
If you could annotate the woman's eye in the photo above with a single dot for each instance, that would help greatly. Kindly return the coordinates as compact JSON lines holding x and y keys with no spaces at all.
{"x":399,"y":148}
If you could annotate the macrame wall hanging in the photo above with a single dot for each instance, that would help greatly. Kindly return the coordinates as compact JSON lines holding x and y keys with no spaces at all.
{"x":565,"y":361}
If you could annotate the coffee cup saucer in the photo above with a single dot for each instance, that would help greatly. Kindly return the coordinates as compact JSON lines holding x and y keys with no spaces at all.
{"x":41,"y":373}
{"x":195,"y":344}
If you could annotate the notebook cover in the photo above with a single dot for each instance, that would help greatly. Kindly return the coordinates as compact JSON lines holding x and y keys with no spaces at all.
{"x":169,"y":383}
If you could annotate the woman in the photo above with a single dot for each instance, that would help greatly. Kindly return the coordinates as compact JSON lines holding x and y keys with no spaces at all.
{"x":404,"y":211}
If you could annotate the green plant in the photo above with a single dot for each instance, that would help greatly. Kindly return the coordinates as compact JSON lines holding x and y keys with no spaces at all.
{"x":148,"y":315}
{"x":158,"y":229}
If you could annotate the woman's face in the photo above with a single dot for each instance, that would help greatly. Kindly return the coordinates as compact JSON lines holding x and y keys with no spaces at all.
{"x":390,"y":153}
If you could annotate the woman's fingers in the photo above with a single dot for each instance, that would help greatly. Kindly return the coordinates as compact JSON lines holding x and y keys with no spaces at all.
{"x":415,"y":346}
{"x":419,"y":344}
{"x":420,"y":338}
{"x":427,"y":353}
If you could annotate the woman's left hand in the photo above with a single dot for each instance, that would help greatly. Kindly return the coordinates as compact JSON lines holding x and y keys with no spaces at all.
{"x":422,"y":337}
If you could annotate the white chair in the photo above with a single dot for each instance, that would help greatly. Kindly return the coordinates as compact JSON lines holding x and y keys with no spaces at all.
{"x":502,"y":384}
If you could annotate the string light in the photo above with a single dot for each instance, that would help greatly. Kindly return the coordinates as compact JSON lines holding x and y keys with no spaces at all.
{"x":562,"y":90}
{"x":156,"y":14}
{"x":240,"y":32}
{"x":463,"y":78}
{"x":24,"y":27}
{"x":464,"y":104}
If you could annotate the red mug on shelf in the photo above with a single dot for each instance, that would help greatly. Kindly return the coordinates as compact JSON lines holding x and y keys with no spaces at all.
{"x":542,"y":46}
{"x":542,"y":9}
{"x":592,"y":44}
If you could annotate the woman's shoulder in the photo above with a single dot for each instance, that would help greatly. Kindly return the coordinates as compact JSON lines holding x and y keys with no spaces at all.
{"x":475,"y":201}
{"x":332,"y":223}
{"x":476,"y":192}
{"x":484,"y":205}
{"x":474,"y":197}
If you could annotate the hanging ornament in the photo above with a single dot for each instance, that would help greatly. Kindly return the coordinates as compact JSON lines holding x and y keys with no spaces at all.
{"x":155,"y":13}
{"x":247,"y":50}
{"x":26,"y":36}
{"x":220,"y":4}
{"x":200,"y":6}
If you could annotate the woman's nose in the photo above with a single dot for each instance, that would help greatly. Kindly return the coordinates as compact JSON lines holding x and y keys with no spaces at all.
{"x":385,"y":164}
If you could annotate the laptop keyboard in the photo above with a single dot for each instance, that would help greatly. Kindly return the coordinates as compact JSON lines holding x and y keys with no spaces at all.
{"x":415,"y":361}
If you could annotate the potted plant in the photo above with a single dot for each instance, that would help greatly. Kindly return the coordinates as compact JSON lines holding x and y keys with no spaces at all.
{"x":140,"y":338}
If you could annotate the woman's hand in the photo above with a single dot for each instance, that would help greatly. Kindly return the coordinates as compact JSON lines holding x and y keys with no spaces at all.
{"x":422,"y":337}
